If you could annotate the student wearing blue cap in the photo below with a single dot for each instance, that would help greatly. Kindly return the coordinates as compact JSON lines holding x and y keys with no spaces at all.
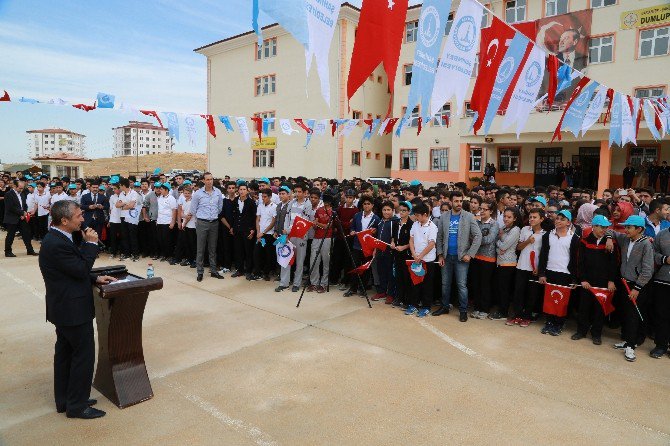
{"x":596,"y":267}
{"x":661,"y":294}
{"x":637,"y":269}
{"x":72,"y":193}
{"x":130,"y":205}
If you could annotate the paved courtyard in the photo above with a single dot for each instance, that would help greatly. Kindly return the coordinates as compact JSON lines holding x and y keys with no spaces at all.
{"x":234,"y":363}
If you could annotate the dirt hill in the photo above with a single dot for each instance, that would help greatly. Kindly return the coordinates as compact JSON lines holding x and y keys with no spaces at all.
{"x":125,"y":165}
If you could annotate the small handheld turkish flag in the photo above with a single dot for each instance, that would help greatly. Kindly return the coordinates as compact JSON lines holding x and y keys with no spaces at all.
{"x":361,"y":269}
{"x":417,"y":270}
{"x":556,"y":298}
{"x":604,"y":297}
{"x":369,"y":243}
{"x":300,"y":227}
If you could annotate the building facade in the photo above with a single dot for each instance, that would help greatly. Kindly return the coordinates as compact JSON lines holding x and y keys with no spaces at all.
{"x":54,"y":141}
{"x":142,"y":137}
{"x":630,"y":56}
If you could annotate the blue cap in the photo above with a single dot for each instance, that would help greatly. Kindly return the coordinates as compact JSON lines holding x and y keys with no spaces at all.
{"x":102,"y":187}
{"x":157,"y":184}
{"x":114,"y":180}
{"x":635,"y":220}
{"x":157,"y":170}
{"x":565,"y":213}
{"x":32,"y":185}
{"x":28,"y":177}
{"x":539,"y":199}
{"x":408,"y":204}
{"x":600,"y":220}
{"x":285,"y":188}
{"x":241,"y":183}
{"x":137,"y":184}
{"x":264,"y":180}
{"x":186,"y":182}
{"x":415,"y":183}
{"x":166,"y":186}
{"x":72,"y":186}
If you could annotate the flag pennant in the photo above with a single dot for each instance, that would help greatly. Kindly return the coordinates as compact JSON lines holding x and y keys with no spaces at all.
{"x":604,"y":298}
{"x":556,"y":298}
{"x":311,"y":123}
{"x":86,"y":108}
{"x":285,"y":254}
{"x":58,"y":101}
{"x":615,"y":124}
{"x":382,"y":126}
{"x":302,"y":125}
{"x":595,"y":109}
{"x":432,"y":20}
{"x":378,"y":39}
{"x":610,"y":99}
{"x":574,"y":116}
{"x":258,"y":126}
{"x":286,"y":127}
{"x":417,"y":271}
{"x":388,"y":128}
{"x":154,"y":114}
{"x":320,"y":127}
{"x":578,"y":89}
{"x":225,"y":120}
{"x":244,"y":127}
{"x":209,"y":119}
{"x":300,"y":227}
{"x":404,"y":122}
{"x":5,"y":97}
{"x":361,"y":269}
{"x":322,"y":18}
{"x":191,"y":130}
{"x":369,"y":243}
{"x":458,"y":57}
{"x":172,"y":124}
{"x":637,"y":114}
{"x":335,"y":123}
{"x":290,"y":14}
{"x":281,"y":240}
{"x":105,"y":100}
{"x":627,"y":123}
{"x":372,"y":128}
{"x":552,"y":69}
{"x":525,"y":91}
{"x":349,"y":126}
{"x":649,"y":117}
{"x":28,"y":100}
{"x":267,"y":122}
{"x":506,"y":71}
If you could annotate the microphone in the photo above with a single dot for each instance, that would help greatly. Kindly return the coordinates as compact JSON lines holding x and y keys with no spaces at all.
{"x":84,"y":228}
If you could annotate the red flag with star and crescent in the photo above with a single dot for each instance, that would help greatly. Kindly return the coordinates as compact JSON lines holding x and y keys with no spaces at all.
{"x":369,"y":243}
{"x":556,"y":298}
{"x":361,"y":269}
{"x":378,"y":40}
{"x":604,"y":298}
{"x":300,"y":227}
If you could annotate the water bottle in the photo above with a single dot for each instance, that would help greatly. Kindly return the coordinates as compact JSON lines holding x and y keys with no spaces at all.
{"x":150,"y":271}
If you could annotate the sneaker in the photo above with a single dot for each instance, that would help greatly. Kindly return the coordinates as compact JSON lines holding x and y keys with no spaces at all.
{"x":280,"y":288}
{"x":513,"y":321}
{"x":377,"y":297}
{"x":524,"y":323}
{"x":343,"y":287}
{"x":184,"y":263}
{"x":311,"y":288}
{"x":475,"y":314}
{"x":396,"y":303}
{"x":463,"y":317}
{"x":320,"y":289}
{"x":620,"y":345}
{"x":389,"y":300}
{"x":497,"y":316}
{"x":411,"y":309}
{"x":224,"y":270}
{"x":254,"y":277}
{"x":547,"y":327}
{"x":577,"y":336}
{"x":554,"y":330}
{"x":629,"y":354}
{"x":423,"y":312}
{"x":295,"y":289}
{"x":136,"y":258}
{"x":123,"y":257}
{"x":597,"y":341}
{"x":483,"y":315}
{"x":658,"y":352}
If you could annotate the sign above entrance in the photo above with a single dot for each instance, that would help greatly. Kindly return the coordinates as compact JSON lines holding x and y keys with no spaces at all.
{"x":269,"y":142}
{"x":651,"y":16}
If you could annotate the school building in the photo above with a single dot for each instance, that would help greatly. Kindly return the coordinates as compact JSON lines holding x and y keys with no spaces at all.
{"x":628,"y":51}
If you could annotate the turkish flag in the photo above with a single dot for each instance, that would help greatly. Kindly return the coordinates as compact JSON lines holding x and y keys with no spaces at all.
{"x":300,"y":227}
{"x":556,"y":298}
{"x":378,"y":39}
{"x":86,"y":108}
{"x":389,"y":125}
{"x":417,"y":271}
{"x":154,"y":114}
{"x":610,"y":99}
{"x":369,"y":243}
{"x":604,"y":297}
{"x":552,"y":69}
{"x":361,"y":269}
{"x":5,"y":97}
{"x":258,"y":122}
{"x":210,"y":124}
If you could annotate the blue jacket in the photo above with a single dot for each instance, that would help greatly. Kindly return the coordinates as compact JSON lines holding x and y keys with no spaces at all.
{"x":357,"y":226}
{"x":649,"y":228}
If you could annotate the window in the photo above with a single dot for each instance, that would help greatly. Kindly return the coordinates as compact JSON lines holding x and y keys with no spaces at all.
{"x":509,"y":160}
{"x":408,"y":159}
{"x":388,"y":161}
{"x":485,"y":16}
{"x":356,"y":114}
{"x":515,"y":11}
{"x":654,"y":42}
{"x":601,"y":3}
{"x":601,"y":49}
{"x":411,"y":31}
{"x":268,"y":49}
{"x":408,"y":74}
{"x":439,"y":159}
{"x":414,"y":117}
{"x":368,"y":155}
{"x":264,"y":158}
{"x":475,"y":159}
{"x":649,"y":92}
{"x":450,"y":21}
{"x":378,"y":156}
{"x":638,"y":155}
{"x":266,"y":85}
{"x":468,"y":111}
{"x":441,"y":118}
{"x":555,"y":7}
{"x":380,"y":79}
{"x":269,"y":114}
{"x":355,"y":158}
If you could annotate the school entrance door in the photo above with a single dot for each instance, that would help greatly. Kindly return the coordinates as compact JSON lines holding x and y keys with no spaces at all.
{"x":546,"y":162}
{"x":589,"y":160}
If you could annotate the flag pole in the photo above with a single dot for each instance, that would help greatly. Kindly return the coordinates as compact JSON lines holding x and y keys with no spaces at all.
{"x":634,"y":300}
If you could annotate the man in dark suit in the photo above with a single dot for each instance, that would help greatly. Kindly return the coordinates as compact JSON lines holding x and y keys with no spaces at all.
{"x":66,"y":270}
{"x":628,"y":176}
{"x":94,"y":205}
{"x":16,"y":217}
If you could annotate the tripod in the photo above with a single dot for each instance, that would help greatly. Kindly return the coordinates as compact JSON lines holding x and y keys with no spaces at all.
{"x":334,"y":219}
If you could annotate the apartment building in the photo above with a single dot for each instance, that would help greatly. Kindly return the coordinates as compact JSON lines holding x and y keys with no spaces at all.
{"x":141,"y":138}
{"x":628,"y":47}
{"x":55,"y":141}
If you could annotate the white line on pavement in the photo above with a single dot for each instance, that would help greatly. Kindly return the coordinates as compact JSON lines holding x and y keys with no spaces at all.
{"x":20,"y":281}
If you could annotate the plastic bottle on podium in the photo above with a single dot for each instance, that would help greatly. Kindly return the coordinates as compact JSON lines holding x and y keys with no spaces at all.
{"x":150,"y":271}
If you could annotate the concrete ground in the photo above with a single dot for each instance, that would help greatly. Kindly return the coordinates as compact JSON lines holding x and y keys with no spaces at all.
{"x":234,"y":363}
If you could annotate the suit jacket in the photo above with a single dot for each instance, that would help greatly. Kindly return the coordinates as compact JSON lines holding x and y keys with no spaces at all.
{"x":357,"y":226}
{"x":14,"y":208}
{"x":99,"y":214}
{"x":66,"y":270}
{"x":246,"y":220}
{"x":469,"y":235}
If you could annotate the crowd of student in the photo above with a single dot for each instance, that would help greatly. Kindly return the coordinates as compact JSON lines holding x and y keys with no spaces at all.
{"x":491,"y":250}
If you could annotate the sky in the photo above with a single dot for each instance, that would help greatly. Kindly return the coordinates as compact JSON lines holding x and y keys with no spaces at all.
{"x":139,"y":51}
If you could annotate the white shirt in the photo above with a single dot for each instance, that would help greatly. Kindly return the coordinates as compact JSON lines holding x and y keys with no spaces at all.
{"x":42,"y":203}
{"x":127,"y":197}
{"x":266,"y":214}
{"x":55,"y":198}
{"x":422,"y":235}
{"x":185,"y":210}
{"x":165,"y":207}
{"x":18,"y":195}
{"x":657,"y":228}
{"x":524,"y":257}
{"x":114,"y":212}
{"x":559,"y":252}
{"x":31,"y":202}
{"x":365,"y":221}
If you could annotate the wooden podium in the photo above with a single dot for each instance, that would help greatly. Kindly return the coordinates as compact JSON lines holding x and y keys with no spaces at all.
{"x":121,"y":374}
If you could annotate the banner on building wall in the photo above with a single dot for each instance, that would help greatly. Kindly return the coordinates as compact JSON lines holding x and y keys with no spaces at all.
{"x":269,"y":142}
{"x":651,"y":16}
{"x":321,"y":20}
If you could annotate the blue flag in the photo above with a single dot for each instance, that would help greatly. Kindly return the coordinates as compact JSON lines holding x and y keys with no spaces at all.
{"x":290,"y":14}
{"x":266,"y":125}
{"x":432,"y":21}
{"x":370,"y":131}
{"x":281,"y":240}
{"x":225,"y":120}
{"x":616,"y":120}
{"x":574,"y":116}
{"x":28,"y":100}
{"x":401,"y":125}
{"x":565,"y":76}
{"x":310,"y":124}
{"x":172,"y":124}
{"x":508,"y":67}
{"x":105,"y":100}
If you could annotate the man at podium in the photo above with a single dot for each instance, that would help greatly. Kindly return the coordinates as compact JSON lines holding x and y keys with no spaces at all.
{"x":66,"y":269}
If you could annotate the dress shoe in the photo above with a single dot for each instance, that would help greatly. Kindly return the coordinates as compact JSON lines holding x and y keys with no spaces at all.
{"x":10,"y":254}
{"x":89,"y":403}
{"x":33,"y":253}
{"x":440,"y":311}
{"x":295,"y":289}
{"x":577,"y":336}
{"x":199,"y":279}
{"x":349,"y":293}
{"x":87,"y":414}
{"x":237,"y":274}
{"x":463,"y":317}
{"x":217,"y":275}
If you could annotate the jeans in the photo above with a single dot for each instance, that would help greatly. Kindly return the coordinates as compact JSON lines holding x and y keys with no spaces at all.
{"x":454,"y":266}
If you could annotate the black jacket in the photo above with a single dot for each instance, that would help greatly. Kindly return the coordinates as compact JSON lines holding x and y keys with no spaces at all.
{"x":14,"y":208}
{"x":595,"y":264}
{"x":66,"y":270}
{"x":246,"y":220}
{"x":99,"y":214}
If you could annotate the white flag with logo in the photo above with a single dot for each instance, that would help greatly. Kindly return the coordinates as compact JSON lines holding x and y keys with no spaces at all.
{"x":286,"y":127}
{"x":321,"y":20}
{"x":525,"y":91}
{"x":627,"y":123}
{"x":349,"y":127}
{"x":458,"y":57}
{"x":383,"y":126}
{"x":321,"y":127}
{"x":285,"y":254}
{"x":595,"y":109}
{"x":244,"y":127}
